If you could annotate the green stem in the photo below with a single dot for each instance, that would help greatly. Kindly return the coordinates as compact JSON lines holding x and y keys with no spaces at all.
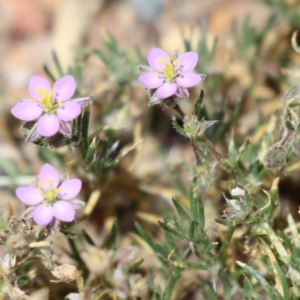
{"x":225,"y":245}
{"x":171,"y":283}
{"x":77,"y":258}
{"x":198,"y":159}
{"x":209,"y":146}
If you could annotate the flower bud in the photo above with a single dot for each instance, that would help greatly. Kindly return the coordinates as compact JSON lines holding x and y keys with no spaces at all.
{"x":191,"y":126}
{"x":194,"y":128}
{"x":276,"y":157}
{"x":65,"y":273}
{"x":237,"y":209}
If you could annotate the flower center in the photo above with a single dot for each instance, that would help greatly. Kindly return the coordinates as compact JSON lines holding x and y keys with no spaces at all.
{"x":50,"y":196}
{"x":47,"y":101}
{"x":168,"y":66}
{"x":169,"y":72}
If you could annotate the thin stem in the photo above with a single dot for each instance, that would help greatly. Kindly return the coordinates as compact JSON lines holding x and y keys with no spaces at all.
{"x":177,"y":108}
{"x":209,"y":146}
{"x":198,"y":159}
{"x":170,"y":103}
{"x":171,"y":284}
{"x":226,"y":244}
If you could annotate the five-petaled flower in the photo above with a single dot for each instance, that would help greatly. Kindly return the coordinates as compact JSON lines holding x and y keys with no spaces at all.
{"x":51,"y":198}
{"x":169,"y":76}
{"x":53,"y":108}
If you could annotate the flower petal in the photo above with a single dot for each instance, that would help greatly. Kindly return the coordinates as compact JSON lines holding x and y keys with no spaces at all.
{"x":151,"y":80}
{"x":166,"y":90}
{"x":188,"y":79}
{"x":69,"y":189}
{"x":48,"y":177}
{"x":37,"y":83}
{"x":156,"y":59}
{"x":27,"y":110}
{"x":65,"y":127}
{"x":187,"y":62}
{"x":48,"y":125}
{"x":64,"y":211}
{"x":69,"y":111}
{"x":43,"y":214}
{"x":64,"y":88}
{"x":30,"y":195}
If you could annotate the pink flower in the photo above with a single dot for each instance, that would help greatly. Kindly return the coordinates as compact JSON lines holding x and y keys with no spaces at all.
{"x":53,"y":108}
{"x":170,"y":75}
{"x":51,"y":198}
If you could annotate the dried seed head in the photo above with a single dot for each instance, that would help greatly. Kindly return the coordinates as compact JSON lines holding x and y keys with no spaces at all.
{"x":17,"y":245}
{"x":65,"y":273}
{"x":7,"y":263}
{"x":138,"y":286}
{"x":97,"y":260}
{"x":3,"y":236}
{"x":14,"y":223}
{"x":276,"y":157}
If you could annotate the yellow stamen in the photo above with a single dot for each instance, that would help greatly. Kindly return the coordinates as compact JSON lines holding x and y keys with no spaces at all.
{"x":46,"y":99}
{"x":175,"y":62}
{"x":169,"y":72}
{"x":41,"y":91}
{"x":50,"y":181}
{"x":162,"y":60}
{"x":50,"y":194}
